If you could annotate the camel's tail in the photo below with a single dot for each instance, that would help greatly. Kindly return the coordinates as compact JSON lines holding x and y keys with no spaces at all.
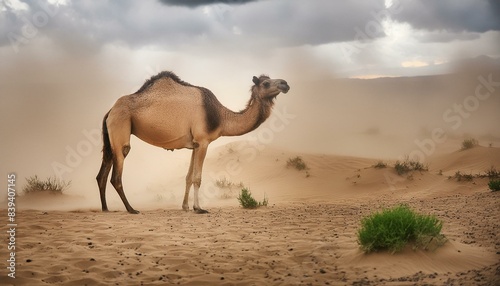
{"x":107,"y":153}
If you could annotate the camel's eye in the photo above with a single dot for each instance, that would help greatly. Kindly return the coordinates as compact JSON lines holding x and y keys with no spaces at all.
{"x":267,"y":84}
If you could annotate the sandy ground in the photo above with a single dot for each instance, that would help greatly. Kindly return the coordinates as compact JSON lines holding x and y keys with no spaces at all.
{"x":306,"y":236}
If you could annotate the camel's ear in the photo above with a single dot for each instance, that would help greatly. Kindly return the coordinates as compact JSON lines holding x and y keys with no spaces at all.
{"x":255,"y":80}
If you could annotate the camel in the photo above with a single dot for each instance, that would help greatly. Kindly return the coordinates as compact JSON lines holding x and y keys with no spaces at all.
{"x":172,"y":114}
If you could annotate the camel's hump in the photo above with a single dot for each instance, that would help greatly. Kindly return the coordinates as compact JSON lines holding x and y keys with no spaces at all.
{"x":164,"y":74}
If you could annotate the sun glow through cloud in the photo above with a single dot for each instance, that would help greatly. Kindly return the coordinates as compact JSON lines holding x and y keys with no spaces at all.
{"x":414,"y":64}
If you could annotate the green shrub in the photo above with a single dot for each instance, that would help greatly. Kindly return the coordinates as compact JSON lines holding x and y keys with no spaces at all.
{"x":406,"y":166}
{"x":393,"y":228}
{"x":296,"y":163}
{"x":494,"y":185}
{"x":51,"y":185}
{"x":248,"y":202}
{"x":469,"y":143}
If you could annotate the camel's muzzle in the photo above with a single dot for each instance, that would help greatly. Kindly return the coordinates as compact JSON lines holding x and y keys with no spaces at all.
{"x":284,"y":87}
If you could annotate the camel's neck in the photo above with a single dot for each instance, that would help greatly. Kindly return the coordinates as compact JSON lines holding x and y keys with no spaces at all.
{"x":239,"y":123}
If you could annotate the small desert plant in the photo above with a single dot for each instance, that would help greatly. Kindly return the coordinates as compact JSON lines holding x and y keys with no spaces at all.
{"x":380,"y":165}
{"x":469,"y":143}
{"x":392,"y":229}
{"x":224,"y":183}
{"x":463,"y":177}
{"x":51,"y":185}
{"x":159,"y":197}
{"x":296,"y":163}
{"x":248,"y":202}
{"x":492,"y":173}
{"x":494,"y":185}
{"x":227,"y":187}
{"x":406,"y":166}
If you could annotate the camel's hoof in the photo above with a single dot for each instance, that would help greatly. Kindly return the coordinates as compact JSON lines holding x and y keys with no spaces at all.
{"x":105,"y":210}
{"x":134,"y":211}
{"x":200,"y":211}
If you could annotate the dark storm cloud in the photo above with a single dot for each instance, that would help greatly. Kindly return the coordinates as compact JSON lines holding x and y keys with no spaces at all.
{"x":196,"y":3}
{"x":300,"y":22}
{"x":87,"y":26}
{"x":450,"y":15}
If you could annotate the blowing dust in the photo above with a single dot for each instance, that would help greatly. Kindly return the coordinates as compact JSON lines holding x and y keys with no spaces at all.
{"x":52,"y":110}
{"x":392,"y":117}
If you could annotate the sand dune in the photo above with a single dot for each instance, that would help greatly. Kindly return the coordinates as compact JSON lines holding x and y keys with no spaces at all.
{"x":467,"y":160}
{"x":307,"y":236}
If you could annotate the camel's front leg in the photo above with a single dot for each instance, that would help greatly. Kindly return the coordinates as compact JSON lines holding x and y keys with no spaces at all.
{"x":189,"y":183}
{"x":199,"y":156}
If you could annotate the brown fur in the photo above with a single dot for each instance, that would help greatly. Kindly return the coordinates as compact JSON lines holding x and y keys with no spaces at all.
{"x":164,"y":74}
{"x":210,"y":102}
{"x":172,"y":114}
{"x":107,"y":153}
{"x":266,"y":106}
{"x":212,"y":106}
{"x":266,"y":103}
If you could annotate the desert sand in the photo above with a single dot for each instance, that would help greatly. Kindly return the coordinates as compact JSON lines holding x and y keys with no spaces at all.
{"x":305,"y":236}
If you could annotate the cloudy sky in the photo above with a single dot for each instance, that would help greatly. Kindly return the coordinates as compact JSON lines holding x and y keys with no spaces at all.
{"x":346,"y":38}
{"x":64,"y":63}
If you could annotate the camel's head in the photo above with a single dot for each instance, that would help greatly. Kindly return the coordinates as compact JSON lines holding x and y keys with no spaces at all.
{"x":267,"y":88}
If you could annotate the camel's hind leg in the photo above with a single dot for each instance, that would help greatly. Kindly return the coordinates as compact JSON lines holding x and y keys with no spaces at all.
{"x":116,"y":176}
{"x":102,"y":178}
{"x":119,"y":128}
{"x":107,"y":163}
